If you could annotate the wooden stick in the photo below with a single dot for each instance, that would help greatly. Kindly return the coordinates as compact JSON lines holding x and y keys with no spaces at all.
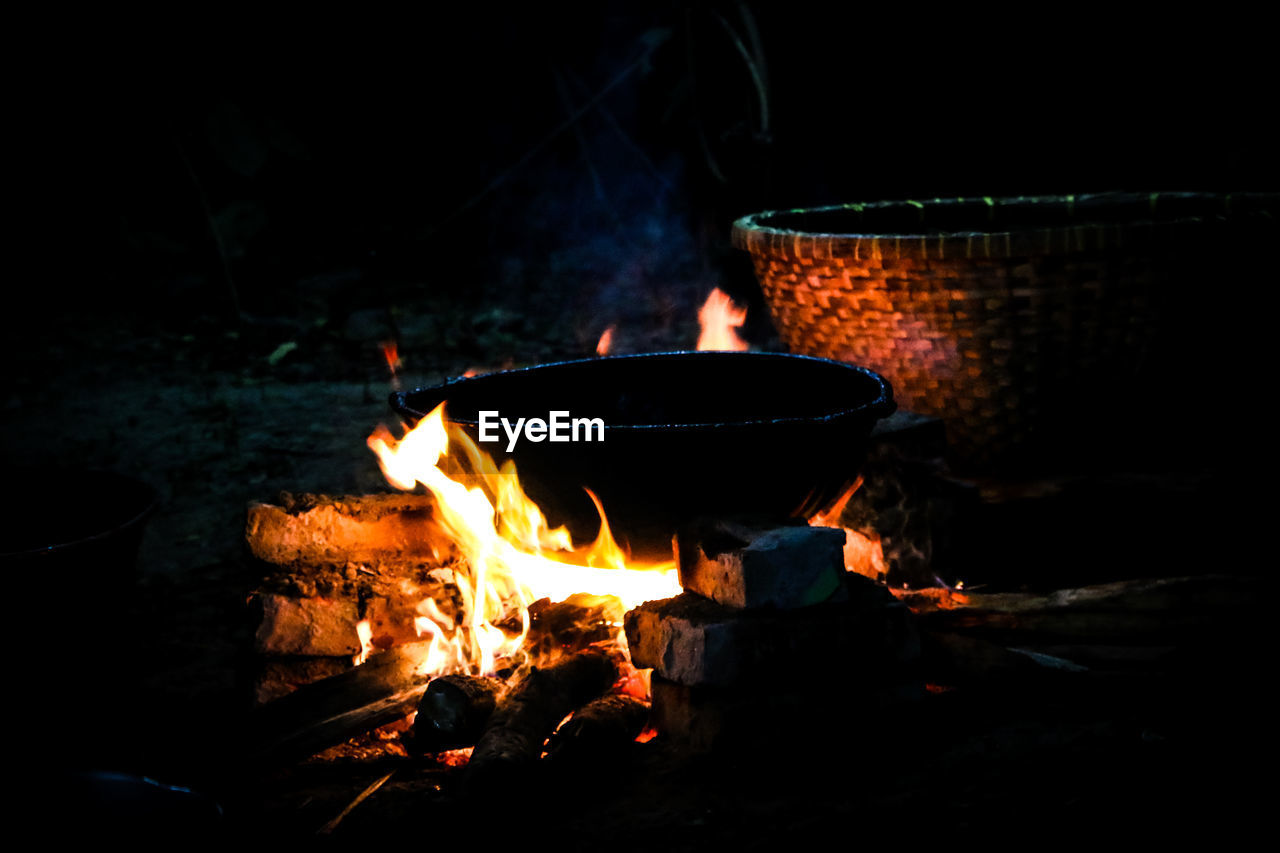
{"x":453,"y":712}
{"x":955,"y":658}
{"x":1138,"y":594}
{"x":387,"y":687}
{"x":1145,"y":612}
{"x":360,"y":798}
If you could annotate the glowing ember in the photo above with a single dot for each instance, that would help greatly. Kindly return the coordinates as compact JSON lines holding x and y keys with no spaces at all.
{"x":454,"y":757}
{"x":633,"y":682}
{"x":719,"y":317}
{"x":606,"y":342}
{"x":932,"y":598}
{"x":512,"y":556}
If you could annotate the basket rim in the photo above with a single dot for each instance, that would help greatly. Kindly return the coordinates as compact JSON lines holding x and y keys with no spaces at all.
{"x":753,"y":231}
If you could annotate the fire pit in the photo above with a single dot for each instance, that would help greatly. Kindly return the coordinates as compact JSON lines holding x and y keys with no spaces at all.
{"x":471,"y":583}
{"x":457,"y":639}
{"x":759,"y":629}
{"x":684,"y":434}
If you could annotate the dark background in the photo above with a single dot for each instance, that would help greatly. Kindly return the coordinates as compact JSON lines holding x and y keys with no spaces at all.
{"x":193,"y":167}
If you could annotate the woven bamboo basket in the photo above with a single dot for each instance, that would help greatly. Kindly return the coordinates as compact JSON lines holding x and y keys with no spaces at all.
{"x":1001,"y":316}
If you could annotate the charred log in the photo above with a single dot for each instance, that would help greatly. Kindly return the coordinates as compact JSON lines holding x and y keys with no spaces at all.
{"x":453,"y":712}
{"x":528,"y":714}
{"x":600,"y":732}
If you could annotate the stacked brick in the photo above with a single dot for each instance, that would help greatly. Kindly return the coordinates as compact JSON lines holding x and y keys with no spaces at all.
{"x":340,"y":577}
{"x":769,"y":624}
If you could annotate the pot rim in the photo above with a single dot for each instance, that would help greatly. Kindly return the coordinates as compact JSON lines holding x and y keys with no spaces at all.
{"x":880,"y":406}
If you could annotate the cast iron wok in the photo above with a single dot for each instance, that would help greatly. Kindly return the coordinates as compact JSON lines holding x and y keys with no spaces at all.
{"x":686,"y":434}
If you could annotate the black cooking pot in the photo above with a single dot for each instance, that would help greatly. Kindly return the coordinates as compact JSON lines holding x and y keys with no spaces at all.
{"x":83,"y":527}
{"x":684,"y":434}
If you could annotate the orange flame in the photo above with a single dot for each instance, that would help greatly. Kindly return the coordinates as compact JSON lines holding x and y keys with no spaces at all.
{"x":606,"y":342}
{"x":863,"y":553}
{"x":364,"y":632}
{"x":633,"y":682}
{"x":831,"y":517}
{"x":391,"y":352}
{"x":718,"y":318}
{"x":513,"y":556}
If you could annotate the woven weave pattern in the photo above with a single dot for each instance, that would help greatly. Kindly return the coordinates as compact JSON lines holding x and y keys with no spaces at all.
{"x":990,"y":331}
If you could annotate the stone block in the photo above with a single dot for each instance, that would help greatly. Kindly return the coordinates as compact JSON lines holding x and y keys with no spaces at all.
{"x":694,"y":641}
{"x":741,"y":566}
{"x":319,"y":626}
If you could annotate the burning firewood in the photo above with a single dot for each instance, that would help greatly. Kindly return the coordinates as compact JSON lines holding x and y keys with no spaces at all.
{"x":319,"y":715}
{"x":530,"y":711}
{"x":599,"y":732}
{"x":453,"y":712}
{"x":571,"y":625}
{"x":455,"y":709}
